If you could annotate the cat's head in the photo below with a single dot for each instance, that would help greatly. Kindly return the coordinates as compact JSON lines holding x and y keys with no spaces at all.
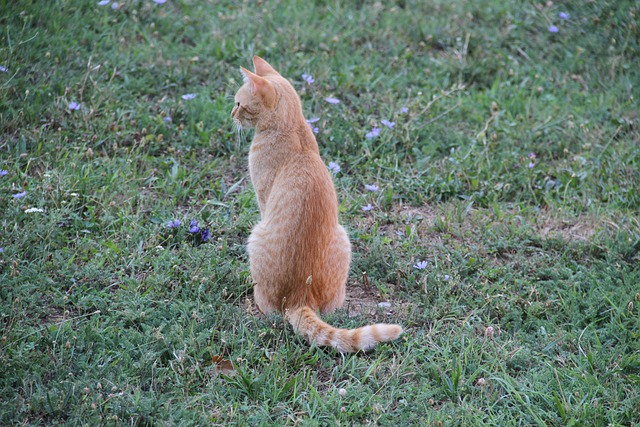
{"x":266,"y":99}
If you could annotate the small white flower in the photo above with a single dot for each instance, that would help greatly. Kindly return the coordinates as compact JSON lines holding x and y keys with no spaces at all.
{"x":420,"y":265}
{"x":31,"y":210}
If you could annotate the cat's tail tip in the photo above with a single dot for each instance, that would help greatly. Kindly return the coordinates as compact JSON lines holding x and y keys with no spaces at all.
{"x":306,"y":321}
{"x":371,"y":335}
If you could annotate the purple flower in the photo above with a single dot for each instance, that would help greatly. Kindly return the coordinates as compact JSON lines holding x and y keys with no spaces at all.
{"x":74,"y":106}
{"x":188,"y":96}
{"x":114,"y":6}
{"x":205,"y":234}
{"x":420,"y":265}
{"x":3,"y":68}
{"x":367,"y":207}
{"x":104,"y":2}
{"x":387,"y":123}
{"x":532,"y":156}
{"x":313,"y":120}
{"x":553,"y":29}
{"x":167,"y":119}
{"x":308,"y":78}
{"x":563,"y":15}
{"x":446,"y":277}
{"x":334,"y":167}
{"x":174,"y":223}
{"x":332,"y":100}
{"x":531,"y":165}
{"x":3,"y":172}
{"x":160,"y":1}
{"x":1,"y":250}
{"x":193,"y":226}
{"x":371,"y":187}
{"x":373,"y":133}
{"x":19,"y":195}
{"x":404,"y":110}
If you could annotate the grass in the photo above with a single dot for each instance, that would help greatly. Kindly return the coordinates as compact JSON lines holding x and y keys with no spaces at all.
{"x":527,"y":312}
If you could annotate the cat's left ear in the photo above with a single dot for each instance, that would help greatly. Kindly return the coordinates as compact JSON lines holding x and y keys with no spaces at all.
{"x":260,"y":87}
{"x":262,"y":67}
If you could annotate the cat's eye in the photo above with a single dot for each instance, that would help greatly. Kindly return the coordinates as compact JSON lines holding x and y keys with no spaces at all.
{"x":237,"y":105}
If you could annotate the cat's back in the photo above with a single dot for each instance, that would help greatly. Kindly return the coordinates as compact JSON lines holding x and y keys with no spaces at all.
{"x":303,"y":186}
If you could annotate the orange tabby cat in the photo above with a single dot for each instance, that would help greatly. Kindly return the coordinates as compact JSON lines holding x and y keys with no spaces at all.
{"x":298,"y":253}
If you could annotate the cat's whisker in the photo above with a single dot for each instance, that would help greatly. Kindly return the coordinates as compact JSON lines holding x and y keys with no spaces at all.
{"x":239,"y":133}
{"x":243,"y":137}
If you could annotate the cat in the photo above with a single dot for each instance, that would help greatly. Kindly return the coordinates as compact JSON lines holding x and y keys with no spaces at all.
{"x":299,"y":254}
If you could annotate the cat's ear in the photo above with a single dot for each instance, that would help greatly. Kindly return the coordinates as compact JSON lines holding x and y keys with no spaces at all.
{"x":256,"y":82}
{"x":262,"y":67}
{"x":260,"y":87}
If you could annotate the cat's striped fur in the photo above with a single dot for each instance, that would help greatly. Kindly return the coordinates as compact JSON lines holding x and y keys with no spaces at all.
{"x":299,"y":255}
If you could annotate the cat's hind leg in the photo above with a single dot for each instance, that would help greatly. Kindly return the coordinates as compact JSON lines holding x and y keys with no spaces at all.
{"x":261,"y":260}
{"x":335,"y":272}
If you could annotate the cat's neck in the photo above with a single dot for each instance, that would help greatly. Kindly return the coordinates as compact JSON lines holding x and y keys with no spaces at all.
{"x":296,"y":136}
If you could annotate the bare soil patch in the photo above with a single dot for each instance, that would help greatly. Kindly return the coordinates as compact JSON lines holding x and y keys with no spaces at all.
{"x":581,"y":228}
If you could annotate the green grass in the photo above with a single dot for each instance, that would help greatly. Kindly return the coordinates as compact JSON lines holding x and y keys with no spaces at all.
{"x":527,"y":313}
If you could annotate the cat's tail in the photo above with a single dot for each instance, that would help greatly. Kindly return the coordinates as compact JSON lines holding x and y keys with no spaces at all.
{"x":306,"y":321}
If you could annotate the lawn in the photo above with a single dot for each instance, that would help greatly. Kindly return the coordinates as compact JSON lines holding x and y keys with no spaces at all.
{"x":486,"y":156}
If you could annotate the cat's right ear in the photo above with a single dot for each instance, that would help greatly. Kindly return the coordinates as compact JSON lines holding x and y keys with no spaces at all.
{"x":260,"y":87}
